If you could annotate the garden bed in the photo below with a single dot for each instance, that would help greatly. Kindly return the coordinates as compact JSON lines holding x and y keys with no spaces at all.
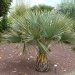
{"x":12,"y":62}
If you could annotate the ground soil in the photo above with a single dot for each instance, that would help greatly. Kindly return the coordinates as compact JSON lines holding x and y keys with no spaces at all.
{"x":12,"y":62}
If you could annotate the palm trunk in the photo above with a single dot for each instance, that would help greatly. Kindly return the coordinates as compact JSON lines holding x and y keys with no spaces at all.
{"x":42,"y":63}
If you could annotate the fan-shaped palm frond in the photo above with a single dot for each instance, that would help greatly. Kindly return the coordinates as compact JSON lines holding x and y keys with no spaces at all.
{"x":13,"y":37}
{"x":68,"y":37}
{"x":42,"y":27}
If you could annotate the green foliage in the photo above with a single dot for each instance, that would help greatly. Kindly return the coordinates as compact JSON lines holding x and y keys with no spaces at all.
{"x":40,"y":28}
{"x":68,"y":7}
{"x":4,"y":6}
{"x":12,"y":37}
{"x":68,"y":38}
{"x":20,"y":10}
{"x":0,"y":23}
{"x":4,"y":23}
{"x":41,"y":8}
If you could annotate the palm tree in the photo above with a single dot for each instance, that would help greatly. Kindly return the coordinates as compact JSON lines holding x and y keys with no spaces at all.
{"x":40,"y":29}
{"x":41,"y":8}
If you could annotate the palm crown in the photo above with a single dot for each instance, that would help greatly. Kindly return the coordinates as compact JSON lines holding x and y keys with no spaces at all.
{"x":40,"y":28}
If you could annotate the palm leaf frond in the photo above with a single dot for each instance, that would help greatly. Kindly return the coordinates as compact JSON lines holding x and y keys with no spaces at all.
{"x":41,"y":27}
{"x":12,"y":37}
{"x":68,"y":38}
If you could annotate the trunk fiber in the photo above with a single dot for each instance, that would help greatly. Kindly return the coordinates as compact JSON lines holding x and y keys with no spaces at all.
{"x":42,"y":63}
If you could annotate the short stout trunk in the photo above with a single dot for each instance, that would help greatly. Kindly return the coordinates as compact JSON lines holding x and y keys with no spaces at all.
{"x":42,"y":63}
